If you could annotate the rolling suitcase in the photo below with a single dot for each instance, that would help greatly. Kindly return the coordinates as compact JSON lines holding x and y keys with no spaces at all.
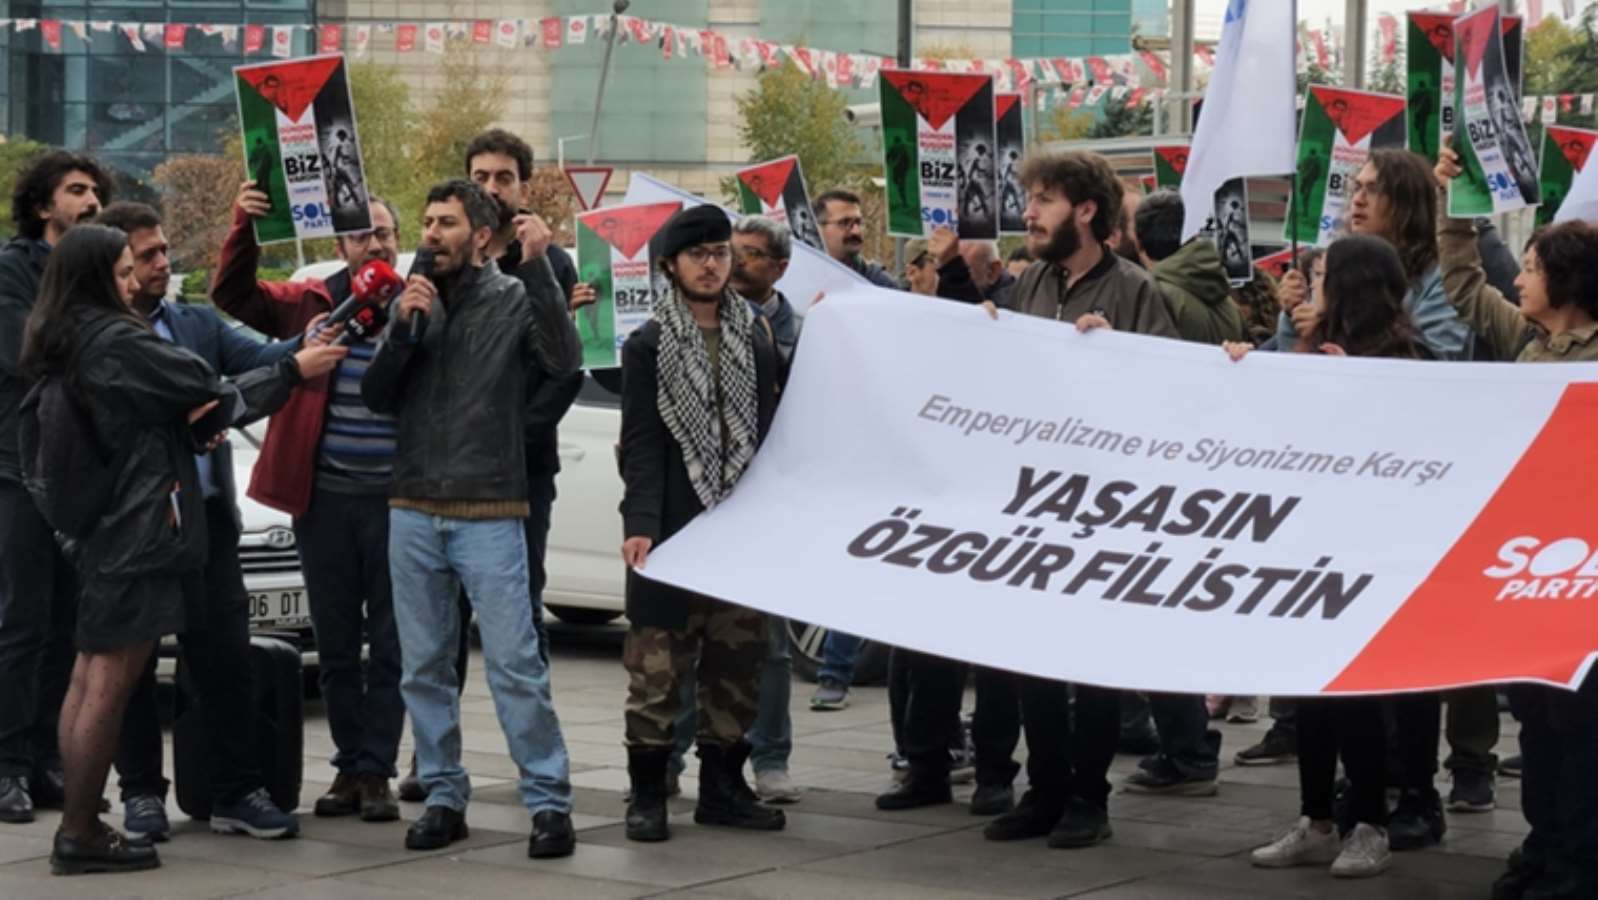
{"x":277,"y":700}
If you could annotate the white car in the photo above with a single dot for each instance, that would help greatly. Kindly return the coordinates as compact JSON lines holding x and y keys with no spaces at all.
{"x":587,"y":581}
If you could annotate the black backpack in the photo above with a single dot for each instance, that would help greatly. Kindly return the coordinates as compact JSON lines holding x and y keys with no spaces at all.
{"x":66,"y":467}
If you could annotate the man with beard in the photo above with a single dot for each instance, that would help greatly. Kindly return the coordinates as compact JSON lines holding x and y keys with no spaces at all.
{"x":215,"y":645}
{"x":1073,"y":203}
{"x":460,"y":391}
{"x":502,"y":165}
{"x":838,"y":214}
{"x":700,"y":383}
{"x":37,"y":587}
{"x":328,"y":461}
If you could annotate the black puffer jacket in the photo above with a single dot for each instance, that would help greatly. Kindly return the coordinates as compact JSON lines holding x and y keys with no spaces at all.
{"x":21,"y":264}
{"x":140,"y":389}
{"x":461,"y":395}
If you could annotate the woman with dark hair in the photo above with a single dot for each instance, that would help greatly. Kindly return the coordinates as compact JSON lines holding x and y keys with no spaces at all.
{"x":1557,"y":321}
{"x":1362,"y":314}
{"x":153,"y":406}
{"x":1393,"y":199}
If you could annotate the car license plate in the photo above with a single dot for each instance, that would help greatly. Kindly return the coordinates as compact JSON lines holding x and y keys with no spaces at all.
{"x":278,"y":609}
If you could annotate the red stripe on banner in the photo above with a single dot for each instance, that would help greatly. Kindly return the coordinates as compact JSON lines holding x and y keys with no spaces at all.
{"x":1507,"y":602}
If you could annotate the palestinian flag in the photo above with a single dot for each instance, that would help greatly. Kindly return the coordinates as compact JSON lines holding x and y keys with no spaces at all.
{"x":777,"y":189}
{"x":301,"y":149}
{"x":938,"y":140}
{"x":613,"y":256}
{"x":1500,"y":170}
{"x":1430,"y":53}
{"x":1340,"y":129}
{"x":1565,"y":154}
{"x":1170,"y":162}
{"x":1011,"y":136}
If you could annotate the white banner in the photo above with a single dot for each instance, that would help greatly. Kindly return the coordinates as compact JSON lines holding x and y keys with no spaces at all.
{"x":1144,"y":513}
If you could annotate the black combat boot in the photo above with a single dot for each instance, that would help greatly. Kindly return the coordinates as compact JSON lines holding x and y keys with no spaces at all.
{"x":646,"y":808}
{"x":725,"y":798}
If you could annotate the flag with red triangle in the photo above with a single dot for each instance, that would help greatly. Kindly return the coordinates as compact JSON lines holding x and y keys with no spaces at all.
{"x":301,"y":148}
{"x":1565,"y":153}
{"x":1170,"y":163}
{"x":615,"y":259}
{"x":777,"y":189}
{"x":1340,"y":128}
{"x":938,"y":144}
{"x":1500,"y":171}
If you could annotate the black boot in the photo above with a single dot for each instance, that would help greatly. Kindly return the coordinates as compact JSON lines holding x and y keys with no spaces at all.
{"x":646,"y":807}
{"x":725,"y":798}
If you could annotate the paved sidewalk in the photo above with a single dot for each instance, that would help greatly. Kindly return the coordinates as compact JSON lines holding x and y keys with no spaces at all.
{"x":837,"y":844}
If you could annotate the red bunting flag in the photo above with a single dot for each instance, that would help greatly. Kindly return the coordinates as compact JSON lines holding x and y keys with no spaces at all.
{"x":554,"y":31}
{"x":405,"y":38}
{"x":174,"y":35}
{"x":254,"y":38}
{"x":50,"y":30}
{"x":332,"y":39}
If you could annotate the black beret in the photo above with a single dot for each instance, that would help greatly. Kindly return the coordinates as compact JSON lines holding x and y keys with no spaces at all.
{"x":704,"y":224}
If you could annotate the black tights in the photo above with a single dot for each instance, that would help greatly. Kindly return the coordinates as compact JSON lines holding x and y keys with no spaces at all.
{"x":91,"y":722}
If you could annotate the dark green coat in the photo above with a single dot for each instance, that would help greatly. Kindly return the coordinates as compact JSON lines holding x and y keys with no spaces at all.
{"x":1195,"y":285}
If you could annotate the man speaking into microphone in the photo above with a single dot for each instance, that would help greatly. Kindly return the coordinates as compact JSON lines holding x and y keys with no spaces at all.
{"x":460,"y":495}
{"x":328,"y":462}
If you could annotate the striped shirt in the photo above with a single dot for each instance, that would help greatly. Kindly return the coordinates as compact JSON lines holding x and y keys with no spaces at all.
{"x":357,"y":452}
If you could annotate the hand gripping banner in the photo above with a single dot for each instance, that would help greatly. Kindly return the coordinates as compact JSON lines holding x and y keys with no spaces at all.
{"x":1099,"y":508}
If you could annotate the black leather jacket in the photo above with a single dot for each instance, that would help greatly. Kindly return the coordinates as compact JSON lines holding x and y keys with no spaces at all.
{"x":140,"y":389}
{"x":21,"y":263}
{"x":461,"y":394}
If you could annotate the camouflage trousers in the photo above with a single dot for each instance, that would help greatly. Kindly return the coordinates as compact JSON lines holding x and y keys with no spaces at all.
{"x":723,"y":647}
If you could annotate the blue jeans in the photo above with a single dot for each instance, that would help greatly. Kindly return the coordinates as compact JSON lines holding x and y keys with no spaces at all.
{"x":431,"y":557}
{"x":771,"y":737}
{"x":838,"y":655}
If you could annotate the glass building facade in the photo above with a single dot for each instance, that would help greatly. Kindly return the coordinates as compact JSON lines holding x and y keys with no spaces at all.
{"x":1072,"y":27}
{"x":133,"y":109}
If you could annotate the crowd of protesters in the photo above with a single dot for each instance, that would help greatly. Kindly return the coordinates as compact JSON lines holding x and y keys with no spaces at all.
{"x":419,"y":466}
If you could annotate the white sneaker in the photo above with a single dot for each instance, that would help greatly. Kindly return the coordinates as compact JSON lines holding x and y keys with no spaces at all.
{"x":775,"y":786}
{"x":1365,"y":854}
{"x":1302,"y":845}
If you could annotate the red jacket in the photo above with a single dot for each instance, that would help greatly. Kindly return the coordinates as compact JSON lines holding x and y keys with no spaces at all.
{"x":286,"y":471}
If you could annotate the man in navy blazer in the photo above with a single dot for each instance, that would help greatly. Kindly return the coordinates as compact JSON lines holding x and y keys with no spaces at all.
{"x":216,"y":644}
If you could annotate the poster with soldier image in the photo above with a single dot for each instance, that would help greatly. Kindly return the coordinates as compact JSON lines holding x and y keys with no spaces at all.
{"x":1430,"y":75}
{"x":1339,"y":130}
{"x":613,"y":256}
{"x":301,"y":148}
{"x":1011,"y":137}
{"x":1500,"y":172}
{"x":1229,"y":229}
{"x":938,"y":145}
{"x":777,"y":188}
{"x":1565,"y":154}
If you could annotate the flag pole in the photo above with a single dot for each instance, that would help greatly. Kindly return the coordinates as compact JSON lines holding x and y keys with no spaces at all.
{"x":1292,"y":198}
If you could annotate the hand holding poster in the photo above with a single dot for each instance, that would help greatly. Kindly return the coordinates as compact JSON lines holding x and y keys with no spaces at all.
{"x":1011,"y":138}
{"x":301,"y":149}
{"x":613,"y":256}
{"x":1159,"y":535}
{"x":1339,"y":131}
{"x":1500,"y":171}
{"x":777,"y":188}
{"x":938,"y":141}
{"x":1565,"y":154}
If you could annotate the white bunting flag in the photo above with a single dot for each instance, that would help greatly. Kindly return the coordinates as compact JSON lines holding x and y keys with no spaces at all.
{"x":577,"y":29}
{"x":104,"y":26}
{"x":508,"y":33}
{"x":282,"y":41}
{"x":1586,"y":104}
{"x":79,"y":28}
{"x":132,"y":33}
{"x":363,"y":39}
{"x":1528,"y":108}
{"x":1550,"y":110}
{"x":433,"y":39}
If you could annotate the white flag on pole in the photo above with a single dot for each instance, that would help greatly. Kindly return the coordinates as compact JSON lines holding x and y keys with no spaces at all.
{"x":1582,"y":201}
{"x":1247,"y":123}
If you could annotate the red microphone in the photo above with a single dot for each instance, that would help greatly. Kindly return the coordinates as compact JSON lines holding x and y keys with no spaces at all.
{"x":377,"y":282}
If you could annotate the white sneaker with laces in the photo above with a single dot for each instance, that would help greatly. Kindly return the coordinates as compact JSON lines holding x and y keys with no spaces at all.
{"x":1302,"y":845}
{"x":1365,"y":853}
{"x":774,"y":786}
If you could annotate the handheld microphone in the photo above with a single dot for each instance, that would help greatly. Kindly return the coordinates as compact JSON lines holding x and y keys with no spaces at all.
{"x":422,"y":265}
{"x":371,"y":290}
